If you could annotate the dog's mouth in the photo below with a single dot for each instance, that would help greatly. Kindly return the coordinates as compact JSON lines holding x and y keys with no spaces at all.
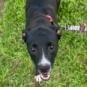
{"x":45,"y":75}
{"x":42,"y":76}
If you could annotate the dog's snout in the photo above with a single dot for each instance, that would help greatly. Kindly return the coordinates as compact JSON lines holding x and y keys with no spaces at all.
{"x":44,"y":68}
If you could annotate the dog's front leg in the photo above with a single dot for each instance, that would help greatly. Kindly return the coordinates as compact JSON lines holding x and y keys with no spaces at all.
{"x":38,"y":77}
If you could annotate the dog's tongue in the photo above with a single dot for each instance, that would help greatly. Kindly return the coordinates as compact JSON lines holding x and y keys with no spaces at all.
{"x":45,"y":76}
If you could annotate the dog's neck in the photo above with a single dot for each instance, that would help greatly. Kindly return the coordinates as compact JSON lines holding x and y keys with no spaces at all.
{"x":42,"y":19}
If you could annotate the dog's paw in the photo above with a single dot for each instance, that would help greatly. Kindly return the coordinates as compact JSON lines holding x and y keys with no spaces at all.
{"x":38,"y":78}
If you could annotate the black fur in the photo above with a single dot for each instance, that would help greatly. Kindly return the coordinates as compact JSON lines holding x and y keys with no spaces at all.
{"x":39,"y":31}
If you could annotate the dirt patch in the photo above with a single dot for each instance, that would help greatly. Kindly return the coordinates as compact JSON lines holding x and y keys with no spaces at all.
{"x":1,"y":6}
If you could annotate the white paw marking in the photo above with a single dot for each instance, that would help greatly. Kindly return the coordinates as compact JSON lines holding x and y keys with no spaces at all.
{"x":38,"y":78}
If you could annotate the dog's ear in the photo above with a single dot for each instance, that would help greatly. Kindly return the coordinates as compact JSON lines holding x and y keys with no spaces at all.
{"x":59,"y":32}
{"x":24,"y":35}
{"x":57,"y":29}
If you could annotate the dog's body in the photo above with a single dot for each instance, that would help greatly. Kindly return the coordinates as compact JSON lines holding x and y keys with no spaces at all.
{"x":41,"y":34}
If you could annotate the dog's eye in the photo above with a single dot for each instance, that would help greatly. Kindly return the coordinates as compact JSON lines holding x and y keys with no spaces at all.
{"x":34,"y":48}
{"x":50,"y":46}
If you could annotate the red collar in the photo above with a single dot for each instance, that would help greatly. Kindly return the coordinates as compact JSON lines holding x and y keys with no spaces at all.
{"x":49,"y":18}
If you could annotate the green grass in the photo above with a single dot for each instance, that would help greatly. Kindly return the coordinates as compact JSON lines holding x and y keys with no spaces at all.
{"x":70,"y":68}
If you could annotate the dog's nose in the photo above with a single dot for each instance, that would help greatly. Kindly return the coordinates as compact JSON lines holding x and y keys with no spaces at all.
{"x":44,"y":68}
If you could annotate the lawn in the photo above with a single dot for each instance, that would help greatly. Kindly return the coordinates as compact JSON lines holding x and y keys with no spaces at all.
{"x":70,"y":68}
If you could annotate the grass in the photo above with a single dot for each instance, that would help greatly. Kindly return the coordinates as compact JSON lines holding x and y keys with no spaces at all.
{"x":70,"y":68}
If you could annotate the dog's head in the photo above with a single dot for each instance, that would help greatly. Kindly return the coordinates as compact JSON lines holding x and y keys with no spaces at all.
{"x":42,"y":45}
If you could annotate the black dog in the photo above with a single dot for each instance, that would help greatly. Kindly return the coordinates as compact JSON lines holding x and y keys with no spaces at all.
{"x":41,"y":35}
